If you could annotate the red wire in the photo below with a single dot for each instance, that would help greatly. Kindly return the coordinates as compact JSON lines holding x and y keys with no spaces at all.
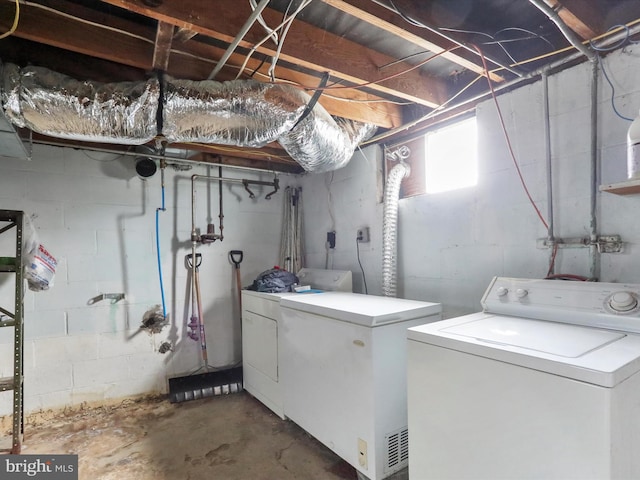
{"x":506,"y":136}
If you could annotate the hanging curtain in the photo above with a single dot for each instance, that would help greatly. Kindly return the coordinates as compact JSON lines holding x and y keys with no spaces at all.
{"x":291,"y":254}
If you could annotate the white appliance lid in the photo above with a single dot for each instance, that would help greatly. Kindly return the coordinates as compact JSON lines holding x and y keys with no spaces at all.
{"x":607,"y":357}
{"x":367,"y":310}
{"x":554,"y":338}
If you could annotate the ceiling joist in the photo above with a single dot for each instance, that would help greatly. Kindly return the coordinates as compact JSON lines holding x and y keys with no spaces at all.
{"x":190,"y":60}
{"x":162,"y":48}
{"x":380,"y":17}
{"x":306,"y":46}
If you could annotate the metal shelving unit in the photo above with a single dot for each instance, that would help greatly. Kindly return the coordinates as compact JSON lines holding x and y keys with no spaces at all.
{"x":12,"y":221}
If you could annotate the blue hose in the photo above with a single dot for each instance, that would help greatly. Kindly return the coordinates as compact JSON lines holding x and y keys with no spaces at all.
{"x":164,"y":306}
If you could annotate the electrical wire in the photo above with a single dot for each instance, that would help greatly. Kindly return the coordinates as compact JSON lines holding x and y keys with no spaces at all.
{"x":424,"y":118}
{"x":364,"y":278}
{"x":609,"y":32}
{"x":273,"y":35}
{"x":567,"y":276}
{"x":613,"y":91}
{"x":610,"y":48}
{"x":285,"y":31}
{"x":380,"y":80}
{"x":282,"y":25}
{"x":419,"y":24}
{"x":473,"y":32}
{"x":16,"y":19}
{"x":524,"y":30}
{"x":508,"y":140}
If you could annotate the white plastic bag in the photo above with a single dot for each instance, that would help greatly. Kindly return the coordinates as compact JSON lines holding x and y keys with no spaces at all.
{"x":40,"y":269}
{"x":39,"y":265}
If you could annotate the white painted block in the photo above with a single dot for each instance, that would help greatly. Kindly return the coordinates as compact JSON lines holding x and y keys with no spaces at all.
{"x":64,"y":350}
{"x":100,"y":372}
{"x":53,"y":377}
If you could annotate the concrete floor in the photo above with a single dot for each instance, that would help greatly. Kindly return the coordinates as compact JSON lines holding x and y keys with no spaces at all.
{"x":231,"y":437}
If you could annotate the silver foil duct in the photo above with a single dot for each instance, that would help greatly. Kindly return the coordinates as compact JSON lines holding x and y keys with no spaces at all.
{"x":321,"y":143}
{"x":252,"y":114}
{"x":53,"y":104}
{"x":240,"y":112}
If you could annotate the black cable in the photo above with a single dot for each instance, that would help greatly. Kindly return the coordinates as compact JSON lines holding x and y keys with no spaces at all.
{"x":364,"y":278}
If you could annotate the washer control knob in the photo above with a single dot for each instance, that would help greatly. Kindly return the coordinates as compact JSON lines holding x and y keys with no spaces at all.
{"x":623,"y":301}
{"x":502,"y":291}
{"x":521,"y":293}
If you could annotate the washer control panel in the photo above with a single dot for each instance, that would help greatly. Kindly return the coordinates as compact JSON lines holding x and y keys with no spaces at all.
{"x":608,"y":305}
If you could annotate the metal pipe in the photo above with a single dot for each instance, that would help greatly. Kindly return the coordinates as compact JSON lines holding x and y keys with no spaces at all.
{"x":594,"y":264}
{"x":547,"y":142}
{"x":453,"y":40}
{"x":220,"y":179}
{"x":566,"y":31}
{"x":220,"y":215}
{"x":506,"y":85}
{"x":236,"y":41}
{"x":176,"y":160}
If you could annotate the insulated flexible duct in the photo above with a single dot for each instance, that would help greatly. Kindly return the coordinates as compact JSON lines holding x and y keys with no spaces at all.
{"x":240,"y":113}
{"x":251,"y":114}
{"x":389,"y":228}
{"x":53,"y":104}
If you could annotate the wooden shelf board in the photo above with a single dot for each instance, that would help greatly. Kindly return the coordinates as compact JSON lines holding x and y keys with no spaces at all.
{"x":628,"y":187}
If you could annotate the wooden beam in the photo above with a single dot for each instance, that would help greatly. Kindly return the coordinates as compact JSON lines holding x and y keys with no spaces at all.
{"x":382,"y":18}
{"x":245,"y":158}
{"x":579,"y":16}
{"x":306,"y":46}
{"x":162,"y":48}
{"x":192,"y":60}
{"x":184,"y":34}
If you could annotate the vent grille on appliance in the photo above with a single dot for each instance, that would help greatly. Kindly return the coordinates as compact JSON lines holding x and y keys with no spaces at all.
{"x":397,"y":449}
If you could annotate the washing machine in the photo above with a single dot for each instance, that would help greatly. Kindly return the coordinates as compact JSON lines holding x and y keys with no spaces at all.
{"x":260,"y":337}
{"x":544,"y":383}
{"x":343,"y":371}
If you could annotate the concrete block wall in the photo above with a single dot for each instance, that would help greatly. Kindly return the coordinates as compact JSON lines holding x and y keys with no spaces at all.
{"x":95,"y":215}
{"x":451,"y":244}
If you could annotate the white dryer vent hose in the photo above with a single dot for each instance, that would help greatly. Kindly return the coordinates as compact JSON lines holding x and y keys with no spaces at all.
{"x":389,"y":228}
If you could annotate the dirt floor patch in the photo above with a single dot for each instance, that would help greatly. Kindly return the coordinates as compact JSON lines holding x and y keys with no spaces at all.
{"x":231,"y":437}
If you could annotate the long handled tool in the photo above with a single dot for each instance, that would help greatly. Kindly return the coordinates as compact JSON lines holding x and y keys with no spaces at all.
{"x":213,"y":381}
{"x":236,"y":258}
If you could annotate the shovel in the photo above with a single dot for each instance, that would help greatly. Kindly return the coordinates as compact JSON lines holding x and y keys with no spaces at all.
{"x":236,"y":258}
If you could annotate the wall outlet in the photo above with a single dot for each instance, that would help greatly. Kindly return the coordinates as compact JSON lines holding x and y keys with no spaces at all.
{"x":362,"y":235}
{"x":363,"y":460}
{"x":331,"y":239}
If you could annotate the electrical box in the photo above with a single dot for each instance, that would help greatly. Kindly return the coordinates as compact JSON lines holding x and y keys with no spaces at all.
{"x":362,"y":235}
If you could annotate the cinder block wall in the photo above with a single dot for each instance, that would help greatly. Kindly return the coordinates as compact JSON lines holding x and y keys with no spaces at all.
{"x":451,"y":244}
{"x":97,"y":218}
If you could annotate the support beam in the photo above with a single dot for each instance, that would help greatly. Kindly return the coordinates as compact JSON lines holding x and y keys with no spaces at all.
{"x":162,"y":49}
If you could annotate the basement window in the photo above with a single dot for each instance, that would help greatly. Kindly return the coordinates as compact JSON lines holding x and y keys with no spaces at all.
{"x":444,"y":159}
{"x":451,"y":157}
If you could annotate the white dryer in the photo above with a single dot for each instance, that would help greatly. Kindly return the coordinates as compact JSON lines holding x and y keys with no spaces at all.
{"x":543,"y":384}
{"x":260,"y":337}
{"x":343,"y":370}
